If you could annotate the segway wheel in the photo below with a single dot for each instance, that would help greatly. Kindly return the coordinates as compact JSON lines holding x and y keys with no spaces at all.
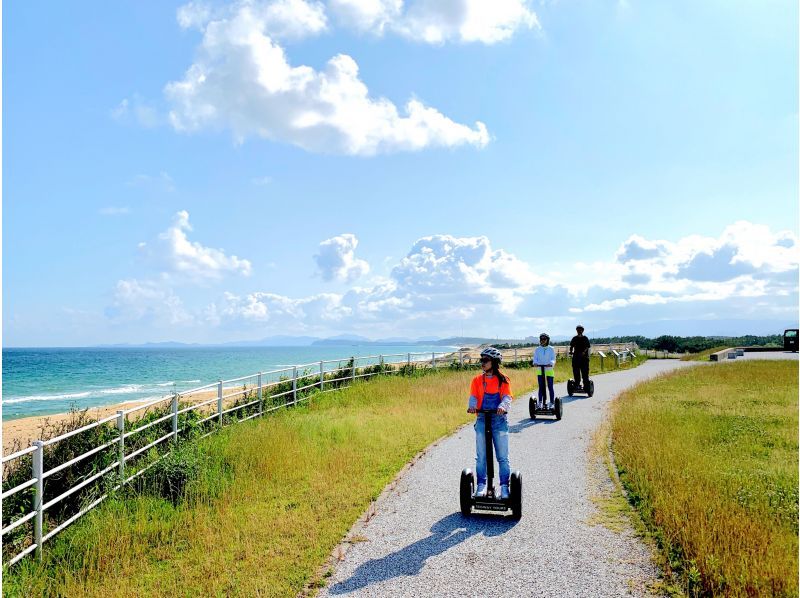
{"x":516,"y":495}
{"x":532,"y":408}
{"x":570,"y":387}
{"x":591,"y":387}
{"x":559,"y":409}
{"x":465,"y":491}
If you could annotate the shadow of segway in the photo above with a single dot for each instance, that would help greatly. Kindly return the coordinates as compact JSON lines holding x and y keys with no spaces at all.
{"x":409,"y":560}
{"x":527,"y":422}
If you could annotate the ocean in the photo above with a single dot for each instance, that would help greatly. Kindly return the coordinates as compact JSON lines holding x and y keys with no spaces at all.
{"x":45,"y":381}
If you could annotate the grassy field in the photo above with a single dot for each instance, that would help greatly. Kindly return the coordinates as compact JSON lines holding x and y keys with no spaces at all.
{"x":709,"y":456}
{"x":272,"y":499}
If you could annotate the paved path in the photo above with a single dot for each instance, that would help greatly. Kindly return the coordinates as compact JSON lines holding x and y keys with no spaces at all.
{"x":418,"y":543}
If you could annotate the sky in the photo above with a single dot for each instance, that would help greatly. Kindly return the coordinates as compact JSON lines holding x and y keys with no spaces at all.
{"x":220,"y":171}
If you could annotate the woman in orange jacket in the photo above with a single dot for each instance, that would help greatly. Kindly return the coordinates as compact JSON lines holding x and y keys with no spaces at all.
{"x":491,"y":390}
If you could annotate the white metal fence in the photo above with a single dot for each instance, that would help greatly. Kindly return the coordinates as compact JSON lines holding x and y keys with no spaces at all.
{"x":211,"y":403}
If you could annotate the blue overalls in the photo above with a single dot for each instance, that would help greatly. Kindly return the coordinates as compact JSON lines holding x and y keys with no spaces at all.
{"x":499,"y":436}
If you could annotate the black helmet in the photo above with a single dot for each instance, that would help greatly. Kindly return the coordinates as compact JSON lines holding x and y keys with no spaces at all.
{"x":545,"y":336}
{"x":579,"y":327}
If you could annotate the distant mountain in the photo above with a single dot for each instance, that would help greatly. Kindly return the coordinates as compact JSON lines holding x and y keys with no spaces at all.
{"x":342,"y":339}
{"x":159,"y":345}
{"x":720,"y":328}
{"x":280,"y":340}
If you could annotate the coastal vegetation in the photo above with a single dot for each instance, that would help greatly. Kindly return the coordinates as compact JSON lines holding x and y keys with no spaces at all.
{"x":257,"y":507}
{"x":709,"y":458}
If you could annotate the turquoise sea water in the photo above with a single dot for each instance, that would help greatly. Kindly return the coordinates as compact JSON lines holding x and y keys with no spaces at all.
{"x":47,"y":381}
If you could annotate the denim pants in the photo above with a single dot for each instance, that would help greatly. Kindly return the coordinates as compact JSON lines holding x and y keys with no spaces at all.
{"x":500,"y":437}
{"x":542,"y":393}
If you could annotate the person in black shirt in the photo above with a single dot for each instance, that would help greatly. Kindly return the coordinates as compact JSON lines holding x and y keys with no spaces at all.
{"x":579,"y":350}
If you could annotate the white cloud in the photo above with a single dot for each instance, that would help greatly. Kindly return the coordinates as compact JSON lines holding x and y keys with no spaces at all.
{"x":445,"y":281}
{"x":147,"y":300}
{"x":242,"y":81}
{"x":189,"y":260}
{"x":437,"y":22}
{"x":336,"y":259}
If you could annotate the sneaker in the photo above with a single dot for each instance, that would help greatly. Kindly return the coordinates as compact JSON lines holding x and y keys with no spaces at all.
{"x":552,"y":404}
{"x":504,"y":492}
{"x":481,"y":491}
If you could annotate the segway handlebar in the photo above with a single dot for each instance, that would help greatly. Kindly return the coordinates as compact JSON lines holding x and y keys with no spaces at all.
{"x":486,"y":411}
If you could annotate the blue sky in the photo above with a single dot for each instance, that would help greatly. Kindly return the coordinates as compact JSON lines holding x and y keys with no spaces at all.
{"x":488,"y":168}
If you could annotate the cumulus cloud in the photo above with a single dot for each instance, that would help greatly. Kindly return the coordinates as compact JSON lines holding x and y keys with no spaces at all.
{"x":437,"y":22}
{"x":336,"y":259}
{"x":189,"y":260}
{"x":147,"y":300}
{"x":444,"y":281}
{"x":746,"y":261}
{"x":242,"y":81}
{"x":639,"y":248}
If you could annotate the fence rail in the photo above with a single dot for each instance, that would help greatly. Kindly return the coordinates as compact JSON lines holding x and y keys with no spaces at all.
{"x":326,"y":375}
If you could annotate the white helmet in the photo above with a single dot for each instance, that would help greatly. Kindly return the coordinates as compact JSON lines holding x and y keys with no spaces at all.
{"x":492,"y":353}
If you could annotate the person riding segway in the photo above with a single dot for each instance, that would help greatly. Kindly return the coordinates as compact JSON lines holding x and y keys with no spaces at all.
{"x":544,"y":358}
{"x":490,"y":399}
{"x":579,"y":351}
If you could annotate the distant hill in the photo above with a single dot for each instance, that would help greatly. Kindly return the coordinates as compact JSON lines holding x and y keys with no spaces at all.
{"x":718,"y":328}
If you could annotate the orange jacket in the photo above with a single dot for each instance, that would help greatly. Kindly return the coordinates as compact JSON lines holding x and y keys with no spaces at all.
{"x":476,"y":389}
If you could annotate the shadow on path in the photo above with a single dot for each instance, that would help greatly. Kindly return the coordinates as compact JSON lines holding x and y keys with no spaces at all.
{"x":527,"y":422}
{"x":446,"y":533}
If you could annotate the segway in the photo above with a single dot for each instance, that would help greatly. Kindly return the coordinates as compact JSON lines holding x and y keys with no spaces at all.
{"x":534,"y":409}
{"x":573,"y":387}
{"x":492,"y":501}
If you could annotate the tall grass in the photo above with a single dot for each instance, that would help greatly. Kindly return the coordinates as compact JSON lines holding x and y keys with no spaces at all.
{"x":709,"y":456}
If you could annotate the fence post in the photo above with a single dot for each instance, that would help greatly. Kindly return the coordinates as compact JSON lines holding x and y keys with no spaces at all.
{"x":321,"y":376}
{"x":294,"y":384}
{"x":38,"y":495}
{"x":380,"y":358}
{"x":461,"y":357}
{"x":175,"y":418}
{"x":121,"y":445}
{"x":433,"y":360}
{"x":353,"y":371}
{"x":260,"y":396}
{"x":219,"y":402}
{"x":515,"y":356}
{"x":602,"y":364}
{"x":409,"y":360}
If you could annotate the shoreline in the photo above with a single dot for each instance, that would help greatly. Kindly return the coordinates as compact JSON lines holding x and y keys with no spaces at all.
{"x":19,"y":433}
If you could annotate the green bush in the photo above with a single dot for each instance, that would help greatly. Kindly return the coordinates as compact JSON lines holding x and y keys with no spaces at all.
{"x":170,"y":476}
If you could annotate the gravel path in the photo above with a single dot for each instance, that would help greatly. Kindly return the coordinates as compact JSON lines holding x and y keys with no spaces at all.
{"x":418,"y":544}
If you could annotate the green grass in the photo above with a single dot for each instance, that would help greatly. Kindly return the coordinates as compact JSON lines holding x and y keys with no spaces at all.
{"x":709,"y":457}
{"x":274,"y":497}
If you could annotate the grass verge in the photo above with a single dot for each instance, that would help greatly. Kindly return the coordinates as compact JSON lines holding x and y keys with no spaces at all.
{"x":709,"y":457}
